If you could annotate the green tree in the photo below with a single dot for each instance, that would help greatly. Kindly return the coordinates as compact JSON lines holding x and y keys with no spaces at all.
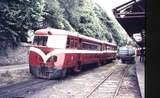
{"x":83,"y":16}
{"x":17,"y":16}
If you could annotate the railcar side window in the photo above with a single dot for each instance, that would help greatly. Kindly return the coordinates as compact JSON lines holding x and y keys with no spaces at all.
{"x":68,"y":43}
{"x":110,"y":48}
{"x":90,"y":46}
{"x":40,"y":40}
{"x":76,"y":43}
{"x":72,"y":42}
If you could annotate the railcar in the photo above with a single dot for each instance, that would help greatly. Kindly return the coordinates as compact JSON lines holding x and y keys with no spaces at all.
{"x":53,"y":52}
{"x":127,"y":54}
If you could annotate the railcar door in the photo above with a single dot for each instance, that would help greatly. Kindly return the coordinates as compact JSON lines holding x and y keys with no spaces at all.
{"x":72,"y":56}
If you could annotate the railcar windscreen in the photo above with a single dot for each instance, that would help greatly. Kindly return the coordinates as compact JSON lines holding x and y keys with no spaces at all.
{"x":40,"y":40}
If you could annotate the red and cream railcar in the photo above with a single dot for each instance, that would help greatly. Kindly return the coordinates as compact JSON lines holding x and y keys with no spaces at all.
{"x":109,"y":51}
{"x":54,"y":51}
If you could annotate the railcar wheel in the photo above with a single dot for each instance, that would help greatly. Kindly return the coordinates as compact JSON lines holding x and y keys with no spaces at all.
{"x":100,"y":63}
{"x":59,"y":73}
{"x":77,"y":69}
{"x":123,"y":61}
{"x":63,"y":73}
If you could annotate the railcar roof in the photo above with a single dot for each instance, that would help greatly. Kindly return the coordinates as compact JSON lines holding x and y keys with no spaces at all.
{"x":52,"y":31}
{"x":89,"y":38}
{"x":105,"y":42}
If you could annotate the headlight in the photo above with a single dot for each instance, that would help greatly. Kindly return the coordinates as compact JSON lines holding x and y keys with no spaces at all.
{"x":52,"y":59}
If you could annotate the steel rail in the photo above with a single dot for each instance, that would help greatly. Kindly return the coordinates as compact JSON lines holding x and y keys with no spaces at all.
{"x":99,"y":84}
{"x":13,"y":89}
{"x":121,"y":81}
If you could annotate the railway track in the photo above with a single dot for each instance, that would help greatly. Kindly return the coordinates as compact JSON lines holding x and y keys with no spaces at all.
{"x":106,"y":80}
{"x":102,"y":82}
{"x":32,"y":85}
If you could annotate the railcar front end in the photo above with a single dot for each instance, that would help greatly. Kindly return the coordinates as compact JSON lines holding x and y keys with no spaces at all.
{"x":46,"y":56}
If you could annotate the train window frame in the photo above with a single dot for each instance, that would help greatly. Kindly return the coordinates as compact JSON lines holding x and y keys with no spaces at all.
{"x":88,"y":45}
{"x":104,"y":47}
{"x":68,"y":42}
{"x":76,"y":43}
{"x":72,"y":42}
{"x":109,"y":47}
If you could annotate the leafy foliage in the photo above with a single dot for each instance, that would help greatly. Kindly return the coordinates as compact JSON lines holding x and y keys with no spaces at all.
{"x":53,"y":16}
{"x":17,"y":16}
{"x":83,"y":16}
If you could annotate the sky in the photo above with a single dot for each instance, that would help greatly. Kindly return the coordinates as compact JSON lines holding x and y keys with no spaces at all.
{"x":108,"y":5}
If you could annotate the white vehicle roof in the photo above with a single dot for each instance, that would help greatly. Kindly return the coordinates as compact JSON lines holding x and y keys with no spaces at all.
{"x":52,"y":31}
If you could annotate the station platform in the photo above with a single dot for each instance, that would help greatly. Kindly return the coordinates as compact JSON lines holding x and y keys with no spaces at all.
{"x":140,"y":75}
